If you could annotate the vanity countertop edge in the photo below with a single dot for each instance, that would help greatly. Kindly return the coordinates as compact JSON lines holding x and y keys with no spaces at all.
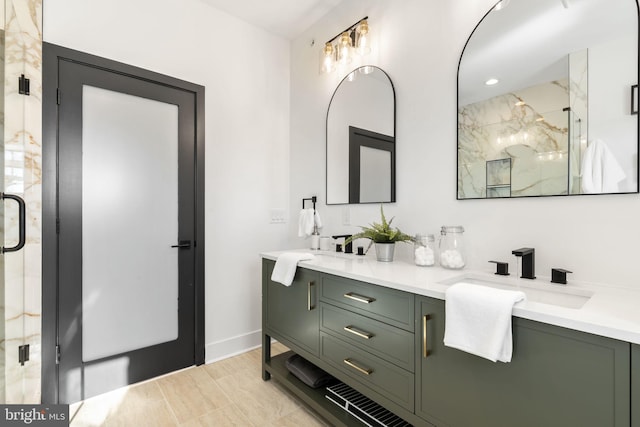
{"x":611,"y":311}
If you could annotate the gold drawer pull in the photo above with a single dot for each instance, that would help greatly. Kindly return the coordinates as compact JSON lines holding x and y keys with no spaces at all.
{"x":365,"y":371}
{"x":425,"y":351}
{"x":359,"y":298}
{"x":361,"y":334}
{"x":309,"y":305}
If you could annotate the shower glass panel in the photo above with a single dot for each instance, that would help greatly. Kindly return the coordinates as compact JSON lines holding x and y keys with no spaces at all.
{"x":20,"y":292}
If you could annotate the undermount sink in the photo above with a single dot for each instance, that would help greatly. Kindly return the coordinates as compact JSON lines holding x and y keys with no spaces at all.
{"x":543,"y":292}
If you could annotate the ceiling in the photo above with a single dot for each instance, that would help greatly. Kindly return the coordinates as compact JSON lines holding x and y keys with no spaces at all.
{"x":286,"y":18}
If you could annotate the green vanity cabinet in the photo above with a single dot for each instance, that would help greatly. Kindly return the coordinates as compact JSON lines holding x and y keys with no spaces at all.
{"x":291,"y":313}
{"x":635,"y":385}
{"x":557,"y":377}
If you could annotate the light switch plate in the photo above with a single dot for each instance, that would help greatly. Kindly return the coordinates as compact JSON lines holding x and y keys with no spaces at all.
{"x":278,"y":216}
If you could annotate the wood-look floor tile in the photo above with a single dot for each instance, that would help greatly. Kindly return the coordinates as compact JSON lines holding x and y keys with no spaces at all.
{"x":229,"y":416}
{"x":297,"y":418}
{"x":192,"y":393}
{"x":230,"y":392}
{"x":229,"y":366}
{"x":260,"y":401}
{"x":150,"y":414}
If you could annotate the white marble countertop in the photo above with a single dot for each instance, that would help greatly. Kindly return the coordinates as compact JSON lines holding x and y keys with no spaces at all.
{"x":609,"y":311}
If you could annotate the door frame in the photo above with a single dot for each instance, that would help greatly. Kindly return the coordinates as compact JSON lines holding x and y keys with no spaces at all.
{"x":52,"y":54}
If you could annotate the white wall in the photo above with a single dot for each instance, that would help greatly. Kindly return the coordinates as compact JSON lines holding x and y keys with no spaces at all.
{"x":419,"y":44}
{"x":246,"y":74}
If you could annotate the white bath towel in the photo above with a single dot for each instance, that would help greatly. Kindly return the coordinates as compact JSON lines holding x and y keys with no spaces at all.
{"x":600,"y":172}
{"x":478,"y":320}
{"x":286,"y":264}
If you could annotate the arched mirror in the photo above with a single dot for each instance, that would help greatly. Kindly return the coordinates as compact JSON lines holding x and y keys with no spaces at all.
{"x":361,"y":139}
{"x":547,"y":100}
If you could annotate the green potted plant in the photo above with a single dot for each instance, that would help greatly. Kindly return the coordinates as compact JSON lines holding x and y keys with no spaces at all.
{"x":383,"y":236}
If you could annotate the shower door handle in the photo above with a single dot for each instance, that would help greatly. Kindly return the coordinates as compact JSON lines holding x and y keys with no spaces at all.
{"x":183,"y":244}
{"x":21,"y":222}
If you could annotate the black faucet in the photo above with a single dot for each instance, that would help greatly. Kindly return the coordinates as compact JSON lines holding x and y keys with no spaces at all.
{"x":528,"y":262}
{"x":348,"y":248}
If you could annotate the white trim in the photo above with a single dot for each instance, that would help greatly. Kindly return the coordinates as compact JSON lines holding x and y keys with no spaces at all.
{"x":232,"y":346}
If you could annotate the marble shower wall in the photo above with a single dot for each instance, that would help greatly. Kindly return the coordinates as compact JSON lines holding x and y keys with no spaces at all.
{"x":23,"y":166}
{"x":530,"y":128}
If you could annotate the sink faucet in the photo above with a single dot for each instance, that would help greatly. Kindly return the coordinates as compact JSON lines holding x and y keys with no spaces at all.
{"x":528,"y":262}
{"x":348,"y":248}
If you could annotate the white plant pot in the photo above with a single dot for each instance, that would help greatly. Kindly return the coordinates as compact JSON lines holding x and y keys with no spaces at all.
{"x":384,"y":251}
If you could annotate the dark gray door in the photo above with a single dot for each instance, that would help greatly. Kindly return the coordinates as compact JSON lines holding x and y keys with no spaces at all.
{"x":127,"y":229}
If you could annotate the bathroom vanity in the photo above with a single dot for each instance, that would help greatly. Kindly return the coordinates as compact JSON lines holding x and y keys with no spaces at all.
{"x":379,"y":328}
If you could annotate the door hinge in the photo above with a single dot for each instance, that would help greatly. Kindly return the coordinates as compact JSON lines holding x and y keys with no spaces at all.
{"x":57,"y":354}
{"x":23,"y":85}
{"x":57,"y":225}
{"x":23,"y":354}
{"x":58,"y":96}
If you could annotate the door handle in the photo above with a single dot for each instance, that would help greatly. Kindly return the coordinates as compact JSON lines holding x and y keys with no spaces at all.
{"x":183,"y":244}
{"x":21,"y":220}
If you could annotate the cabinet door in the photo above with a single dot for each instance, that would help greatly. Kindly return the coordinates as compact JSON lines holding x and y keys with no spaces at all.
{"x":635,"y":386}
{"x":291,"y":312}
{"x":557,"y":377}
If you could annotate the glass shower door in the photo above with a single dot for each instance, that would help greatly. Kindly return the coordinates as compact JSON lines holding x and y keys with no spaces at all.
{"x":20,"y":277}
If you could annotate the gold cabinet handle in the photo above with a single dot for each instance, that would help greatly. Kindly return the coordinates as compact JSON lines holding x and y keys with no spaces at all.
{"x":309,"y":305}
{"x":361,"y":334}
{"x":425,"y":351}
{"x":359,"y":298}
{"x":364,"y":371}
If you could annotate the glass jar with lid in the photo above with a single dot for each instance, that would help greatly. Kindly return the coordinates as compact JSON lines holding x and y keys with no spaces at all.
{"x":451,"y":247}
{"x":424,"y":250}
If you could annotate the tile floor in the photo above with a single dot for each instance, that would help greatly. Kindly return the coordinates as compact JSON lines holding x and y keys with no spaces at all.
{"x":230,"y":392}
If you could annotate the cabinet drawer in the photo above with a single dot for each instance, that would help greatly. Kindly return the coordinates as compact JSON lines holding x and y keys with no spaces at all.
{"x":383,"y":377}
{"x":387,"y":305}
{"x":388,"y":342}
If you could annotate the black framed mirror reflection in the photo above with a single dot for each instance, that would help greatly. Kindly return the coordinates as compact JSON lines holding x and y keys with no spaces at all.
{"x":546,"y":86}
{"x":361,"y":143}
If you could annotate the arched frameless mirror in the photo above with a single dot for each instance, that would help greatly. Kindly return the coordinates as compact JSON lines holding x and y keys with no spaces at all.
{"x":361,"y":139}
{"x":547,"y":100}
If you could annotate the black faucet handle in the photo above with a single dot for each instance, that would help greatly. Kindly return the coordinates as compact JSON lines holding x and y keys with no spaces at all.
{"x":523,"y":251}
{"x":559,"y":275}
{"x":348,"y":248}
{"x":502,"y":268}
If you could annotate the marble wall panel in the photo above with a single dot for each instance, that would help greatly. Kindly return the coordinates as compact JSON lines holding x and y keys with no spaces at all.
{"x":23,"y":166}
{"x":529,"y":127}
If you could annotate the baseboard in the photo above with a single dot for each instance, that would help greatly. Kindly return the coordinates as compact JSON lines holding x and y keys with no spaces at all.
{"x":233,"y":346}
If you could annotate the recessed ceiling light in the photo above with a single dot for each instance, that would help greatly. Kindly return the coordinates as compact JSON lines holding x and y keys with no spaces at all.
{"x":491,"y":82}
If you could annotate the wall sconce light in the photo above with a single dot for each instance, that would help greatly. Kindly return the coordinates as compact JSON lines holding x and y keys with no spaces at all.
{"x":355,"y":38}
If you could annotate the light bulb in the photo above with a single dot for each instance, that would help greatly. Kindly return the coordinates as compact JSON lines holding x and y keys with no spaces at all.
{"x":344,"y":48}
{"x":363,"y":44}
{"x":328,"y":54}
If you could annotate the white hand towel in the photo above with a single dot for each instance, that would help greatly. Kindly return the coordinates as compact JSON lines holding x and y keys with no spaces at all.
{"x":600,"y":172}
{"x":286,"y":264}
{"x":305,"y":222}
{"x":478,"y":320}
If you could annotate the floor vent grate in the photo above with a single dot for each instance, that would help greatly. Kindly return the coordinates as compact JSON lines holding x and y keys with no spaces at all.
{"x":363,"y":408}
